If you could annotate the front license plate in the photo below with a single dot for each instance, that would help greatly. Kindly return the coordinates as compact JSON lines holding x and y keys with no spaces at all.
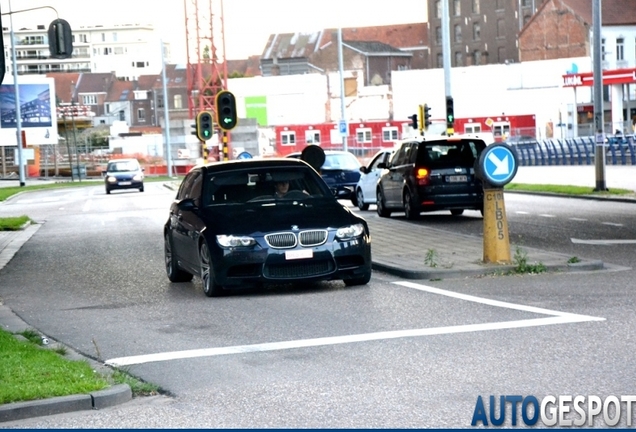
{"x":456,"y":178}
{"x":125,"y":183}
{"x":299,"y":254}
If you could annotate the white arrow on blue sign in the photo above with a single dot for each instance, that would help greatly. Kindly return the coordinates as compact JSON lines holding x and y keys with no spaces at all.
{"x":499,"y":164}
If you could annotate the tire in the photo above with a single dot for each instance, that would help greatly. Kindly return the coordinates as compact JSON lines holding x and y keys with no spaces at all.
{"x":362,"y":280}
{"x":411,"y":211}
{"x":379,"y":204}
{"x":210,"y":287}
{"x":107,"y":191}
{"x":141,"y":189}
{"x":457,"y":212}
{"x":175,"y":274}
{"x":361,"y":204}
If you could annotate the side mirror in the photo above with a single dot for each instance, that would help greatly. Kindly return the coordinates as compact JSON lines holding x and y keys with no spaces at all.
{"x":186,"y":204}
{"x":364,"y":170}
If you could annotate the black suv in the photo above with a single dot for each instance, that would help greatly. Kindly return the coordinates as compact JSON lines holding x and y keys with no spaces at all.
{"x":428,"y":175}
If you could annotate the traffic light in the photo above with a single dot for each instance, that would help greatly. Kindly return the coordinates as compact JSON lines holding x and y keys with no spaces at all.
{"x":420,"y":117}
{"x":450,"y":112}
{"x":413,"y":121}
{"x":226,"y":110}
{"x":204,"y":126}
{"x":427,"y":116}
{"x":60,"y":39}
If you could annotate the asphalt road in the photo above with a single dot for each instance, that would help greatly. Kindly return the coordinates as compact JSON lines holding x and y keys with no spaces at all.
{"x":93,"y":278}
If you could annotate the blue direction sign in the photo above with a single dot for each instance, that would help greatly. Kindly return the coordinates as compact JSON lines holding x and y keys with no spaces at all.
{"x":244,"y":155}
{"x":498,"y":164}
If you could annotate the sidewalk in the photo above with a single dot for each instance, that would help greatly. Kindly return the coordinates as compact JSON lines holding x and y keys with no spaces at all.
{"x":396,"y":251}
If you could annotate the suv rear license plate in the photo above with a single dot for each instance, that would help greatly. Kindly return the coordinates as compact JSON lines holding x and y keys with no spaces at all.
{"x":299,"y":254}
{"x":456,"y":178}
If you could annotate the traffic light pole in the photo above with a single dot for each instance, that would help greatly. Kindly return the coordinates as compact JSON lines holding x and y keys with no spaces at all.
{"x":225,"y":146}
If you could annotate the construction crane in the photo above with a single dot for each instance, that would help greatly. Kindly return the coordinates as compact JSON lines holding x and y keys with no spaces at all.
{"x":207,"y":67}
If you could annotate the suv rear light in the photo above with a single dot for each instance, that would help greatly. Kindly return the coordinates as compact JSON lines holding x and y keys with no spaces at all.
{"x":422,"y":176}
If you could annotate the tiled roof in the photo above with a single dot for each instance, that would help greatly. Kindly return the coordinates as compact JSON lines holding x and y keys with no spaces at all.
{"x":613,"y":12}
{"x":398,"y":36}
{"x":374,"y":48}
{"x":95,"y":82}
{"x":64,"y":84}
{"x":247,"y":67}
{"x":120,"y":91}
{"x":291,"y":45}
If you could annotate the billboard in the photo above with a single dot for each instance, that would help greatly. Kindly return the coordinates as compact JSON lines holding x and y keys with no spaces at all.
{"x":36,"y":98}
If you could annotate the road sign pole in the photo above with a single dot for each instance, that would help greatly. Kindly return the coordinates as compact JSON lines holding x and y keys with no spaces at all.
{"x":225,"y":146}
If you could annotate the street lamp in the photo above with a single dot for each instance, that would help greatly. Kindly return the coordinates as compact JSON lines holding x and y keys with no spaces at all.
{"x":18,"y":113}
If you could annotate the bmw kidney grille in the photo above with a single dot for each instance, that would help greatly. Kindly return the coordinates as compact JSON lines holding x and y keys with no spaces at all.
{"x":286,"y":240}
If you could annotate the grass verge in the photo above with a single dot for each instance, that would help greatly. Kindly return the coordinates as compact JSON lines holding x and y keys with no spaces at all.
{"x":566,"y":190}
{"x":13,"y":223}
{"x":28,"y":371}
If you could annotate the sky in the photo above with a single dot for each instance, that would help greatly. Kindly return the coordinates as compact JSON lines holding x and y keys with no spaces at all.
{"x":247,"y":23}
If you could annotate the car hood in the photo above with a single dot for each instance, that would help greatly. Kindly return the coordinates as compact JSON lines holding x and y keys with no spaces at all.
{"x":245,"y":219}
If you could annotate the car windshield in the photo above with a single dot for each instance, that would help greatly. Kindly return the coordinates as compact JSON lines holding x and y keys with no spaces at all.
{"x":123,"y":166}
{"x":441,"y":154}
{"x":342,"y":161}
{"x":258,"y":185}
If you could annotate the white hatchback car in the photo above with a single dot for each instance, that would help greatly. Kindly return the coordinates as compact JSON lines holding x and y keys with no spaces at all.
{"x":366,"y":187}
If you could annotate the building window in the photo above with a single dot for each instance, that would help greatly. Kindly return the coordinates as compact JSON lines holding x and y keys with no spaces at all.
{"x":89,"y":100}
{"x":476,"y":31}
{"x":459,"y":58}
{"x":603,"y":49}
{"x":114,"y":37}
{"x":288,"y":138}
{"x":363,"y":135}
{"x":620,"y":49}
{"x":141,"y":115}
{"x":501,"y":28}
{"x":440,"y":60}
{"x":457,"y":7}
{"x":470,"y":128}
{"x":501,"y":4}
{"x":476,"y":57}
{"x":438,"y":35}
{"x":312,"y":137}
{"x":389,"y":134}
{"x":475,"y":6}
{"x":458,"y":33}
{"x":103,"y":37}
{"x":438,"y":8}
{"x":159,"y":102}
{"x":140,"y":64}
{"x":526,"y":3}
{"x":178,"y":102}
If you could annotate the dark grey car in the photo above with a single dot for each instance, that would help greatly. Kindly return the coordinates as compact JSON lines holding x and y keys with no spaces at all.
{"x":429,"y":175}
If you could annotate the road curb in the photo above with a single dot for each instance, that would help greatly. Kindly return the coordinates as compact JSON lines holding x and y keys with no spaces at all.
{"x":591,"y":265}
{"x":64,"y":404}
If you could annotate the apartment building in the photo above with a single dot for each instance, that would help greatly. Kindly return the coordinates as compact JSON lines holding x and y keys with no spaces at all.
{"x":129,"y":50}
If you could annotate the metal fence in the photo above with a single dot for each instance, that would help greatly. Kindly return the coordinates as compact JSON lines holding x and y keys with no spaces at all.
{"x":574,"y":151}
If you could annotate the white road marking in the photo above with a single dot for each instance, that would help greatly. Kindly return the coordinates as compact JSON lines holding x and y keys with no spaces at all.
{"x":612,"y":224}
{"x":603,"y":242}
{"x":578,"y":219}
{"x":556,"y":317}
{"x":522,"y":212}
{"x":547,"y":215}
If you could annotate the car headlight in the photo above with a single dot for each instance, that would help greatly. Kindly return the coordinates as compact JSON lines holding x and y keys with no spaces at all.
{"x":350,"y":231}
{"x":111,"y":179}
{"x":138,"y":177}
{"x":230,"y":241}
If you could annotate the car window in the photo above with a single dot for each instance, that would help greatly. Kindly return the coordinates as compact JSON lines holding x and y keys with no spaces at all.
{"x":449,"y":153}
{"x":122,"y":166}
{"x":382,"y":157}
{"x":186,"y":185}
{"x":401,"y":156}
{"x":343,"y":161}
{"x":252,"y":185}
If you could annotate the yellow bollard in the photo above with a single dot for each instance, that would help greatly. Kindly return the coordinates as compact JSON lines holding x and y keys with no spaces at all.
{"x":496,"y":240}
